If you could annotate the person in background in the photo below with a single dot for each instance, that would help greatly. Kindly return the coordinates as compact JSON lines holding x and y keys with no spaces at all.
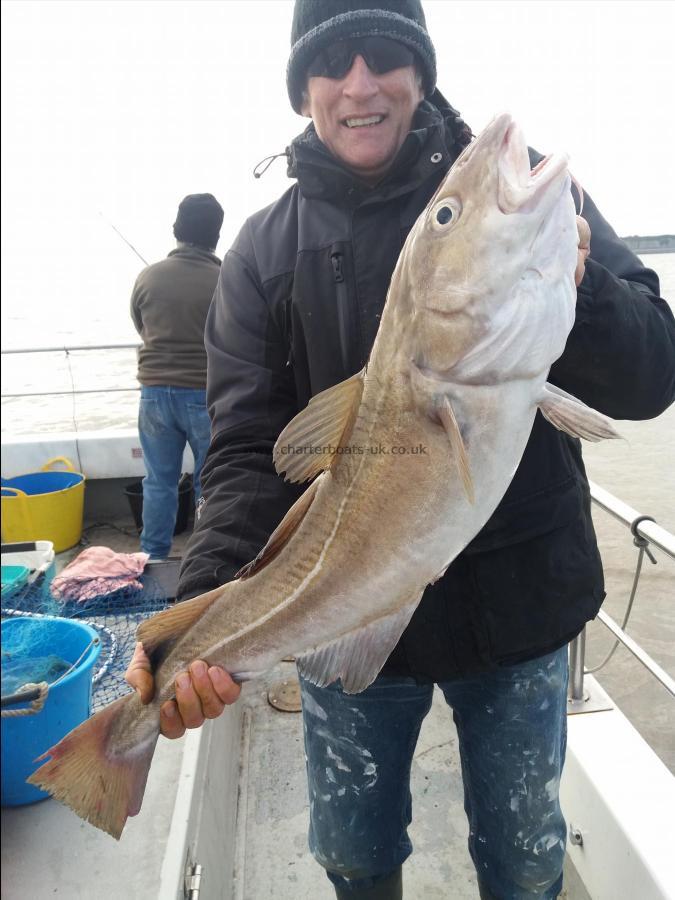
{"x":296,"y":311}
{"x":169,"y":304}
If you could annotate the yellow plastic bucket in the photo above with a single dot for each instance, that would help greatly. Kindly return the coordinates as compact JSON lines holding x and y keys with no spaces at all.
{"x":44,"y":506}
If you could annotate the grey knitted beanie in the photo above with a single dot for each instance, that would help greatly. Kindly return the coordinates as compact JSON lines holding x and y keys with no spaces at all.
{"x":319,"y":23}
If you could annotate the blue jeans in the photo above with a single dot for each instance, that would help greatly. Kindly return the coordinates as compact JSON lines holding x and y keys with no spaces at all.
{"x":168,"y":418}
{"x":511,"y":726}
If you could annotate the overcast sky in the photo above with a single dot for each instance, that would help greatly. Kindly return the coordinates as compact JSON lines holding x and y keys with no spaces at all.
{"x":113,"y":111}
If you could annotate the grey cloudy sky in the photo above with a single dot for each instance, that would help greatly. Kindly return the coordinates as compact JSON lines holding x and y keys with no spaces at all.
{"x":113,"y":111}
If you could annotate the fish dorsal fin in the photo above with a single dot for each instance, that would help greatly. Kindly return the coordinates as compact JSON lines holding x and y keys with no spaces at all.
{"x":356,"y":657}
{"x":283,"y":532}
{"x":173,"y":623}
{"x":327,"y":420}
{"x":447,"y":417}
{"x":573,"y":417}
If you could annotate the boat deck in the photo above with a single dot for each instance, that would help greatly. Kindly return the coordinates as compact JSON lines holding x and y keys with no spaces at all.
{"x":48,"y":852}
{"x":248,"y":769}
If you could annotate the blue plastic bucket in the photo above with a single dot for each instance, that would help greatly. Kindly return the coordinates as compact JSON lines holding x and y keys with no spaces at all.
{"x":68,"y":703}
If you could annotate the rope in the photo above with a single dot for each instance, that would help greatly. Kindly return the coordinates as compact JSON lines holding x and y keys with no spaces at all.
{"x":259,"y":171}
{"x":92,"y":643}
{"x":643,"y":545}
{"x":36,"y":705}
{"x":43,"y":687}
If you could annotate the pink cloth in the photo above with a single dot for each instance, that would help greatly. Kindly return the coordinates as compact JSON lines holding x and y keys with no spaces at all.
{"x":97,"y":571}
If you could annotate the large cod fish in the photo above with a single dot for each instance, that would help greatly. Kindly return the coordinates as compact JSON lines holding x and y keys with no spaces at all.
{"x":480,"y":305}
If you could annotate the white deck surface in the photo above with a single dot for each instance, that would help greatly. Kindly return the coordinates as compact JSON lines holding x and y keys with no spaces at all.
{"x":272,"y":858}
{"x":273,"y":861}
{"x":48,"y":852}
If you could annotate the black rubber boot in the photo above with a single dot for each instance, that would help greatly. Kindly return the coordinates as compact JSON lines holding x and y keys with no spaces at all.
{"x":390,"y":888}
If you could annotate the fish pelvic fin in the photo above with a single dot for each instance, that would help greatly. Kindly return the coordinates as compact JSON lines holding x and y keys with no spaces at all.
{"x":167,"y":626}
{"x":447,"y":416}
{"x":310,"y":442}
{"x":357,"y":656}
{"x":283,"y":532}
{"x":573,"y":417}
{"x":101,"y":787}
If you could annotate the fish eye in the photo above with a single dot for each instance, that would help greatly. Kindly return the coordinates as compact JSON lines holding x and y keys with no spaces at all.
{"x":446,"y":213}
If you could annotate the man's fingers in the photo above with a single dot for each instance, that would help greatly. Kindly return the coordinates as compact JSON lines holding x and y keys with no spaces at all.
{"x":227,"y":690}
{"x":581,"y":266}
{"x":188,"y":701}
{"x":214,"y":687}
{"x":201,"y":693}
{"x":211,"y":704}
{"x":143,"y":683}
{"x":139,"y":674}
{"x":170,"y":723}
{"x":584,"y":231}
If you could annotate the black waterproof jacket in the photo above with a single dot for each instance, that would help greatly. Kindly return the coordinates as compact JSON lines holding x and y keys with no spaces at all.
{"x":296,"y":310}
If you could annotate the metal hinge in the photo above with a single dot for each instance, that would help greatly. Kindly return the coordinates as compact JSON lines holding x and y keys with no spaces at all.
{"x":193,"y":879}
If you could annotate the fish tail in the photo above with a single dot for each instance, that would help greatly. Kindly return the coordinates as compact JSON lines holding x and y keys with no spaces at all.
{"x":100,"y":783}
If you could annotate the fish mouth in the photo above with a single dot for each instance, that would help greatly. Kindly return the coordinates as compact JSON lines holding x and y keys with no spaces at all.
{"x":521,"y":189}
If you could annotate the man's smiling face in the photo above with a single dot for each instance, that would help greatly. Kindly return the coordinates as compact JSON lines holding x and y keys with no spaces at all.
{"x":364,"y":118}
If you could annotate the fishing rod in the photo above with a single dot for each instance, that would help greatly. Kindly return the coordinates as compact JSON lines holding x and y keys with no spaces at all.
{"x":128,"y":243}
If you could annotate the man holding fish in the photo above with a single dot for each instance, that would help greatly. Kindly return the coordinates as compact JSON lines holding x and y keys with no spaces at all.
{"x":484,"y":543}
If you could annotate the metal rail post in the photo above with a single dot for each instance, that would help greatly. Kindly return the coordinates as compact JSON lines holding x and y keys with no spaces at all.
{"x":577,"y":657}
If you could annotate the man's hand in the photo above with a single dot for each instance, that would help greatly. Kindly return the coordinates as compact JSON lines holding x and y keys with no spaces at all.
{"x":201,"y":693}
{"x":584,"y":249}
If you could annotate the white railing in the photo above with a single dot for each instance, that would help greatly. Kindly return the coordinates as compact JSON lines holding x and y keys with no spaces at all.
{"x":646,"y":533}
{"x":67,"y":350}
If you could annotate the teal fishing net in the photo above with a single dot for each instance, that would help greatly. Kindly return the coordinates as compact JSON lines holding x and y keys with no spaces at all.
{"x":113,"y":612}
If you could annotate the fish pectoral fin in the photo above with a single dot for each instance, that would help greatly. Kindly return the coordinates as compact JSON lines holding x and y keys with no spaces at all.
{"x":173,"y":623}
{"x":326,"y":421}
{"x":356,"y":657}
{"x":447,"y":416}
{"x":573,"y":417}
{"x":282,"y":533}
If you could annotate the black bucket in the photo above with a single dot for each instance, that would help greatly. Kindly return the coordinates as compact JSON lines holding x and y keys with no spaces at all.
{"x":134,"y":492}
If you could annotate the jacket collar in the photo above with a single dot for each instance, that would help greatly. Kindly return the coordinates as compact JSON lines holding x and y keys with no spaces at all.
{"x":429,"y":148}
{"x":193,"y":251}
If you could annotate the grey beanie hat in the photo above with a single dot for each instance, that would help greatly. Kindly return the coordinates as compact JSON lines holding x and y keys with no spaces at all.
{"x":198,"y":221}
{"x":319,"y":23}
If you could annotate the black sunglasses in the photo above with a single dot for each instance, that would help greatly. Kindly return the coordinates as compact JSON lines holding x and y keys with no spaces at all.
{"x":380,"y":54}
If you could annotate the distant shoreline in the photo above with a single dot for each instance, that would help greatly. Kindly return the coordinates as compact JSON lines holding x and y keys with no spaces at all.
{"x":659,"y":243}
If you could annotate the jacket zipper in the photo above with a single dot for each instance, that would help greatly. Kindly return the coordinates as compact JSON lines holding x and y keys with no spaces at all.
{"x":342,"y":309}
{"x":288,"y":330}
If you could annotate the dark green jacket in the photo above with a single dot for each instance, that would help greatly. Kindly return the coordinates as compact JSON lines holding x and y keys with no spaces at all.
{"x":169,"y":305}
